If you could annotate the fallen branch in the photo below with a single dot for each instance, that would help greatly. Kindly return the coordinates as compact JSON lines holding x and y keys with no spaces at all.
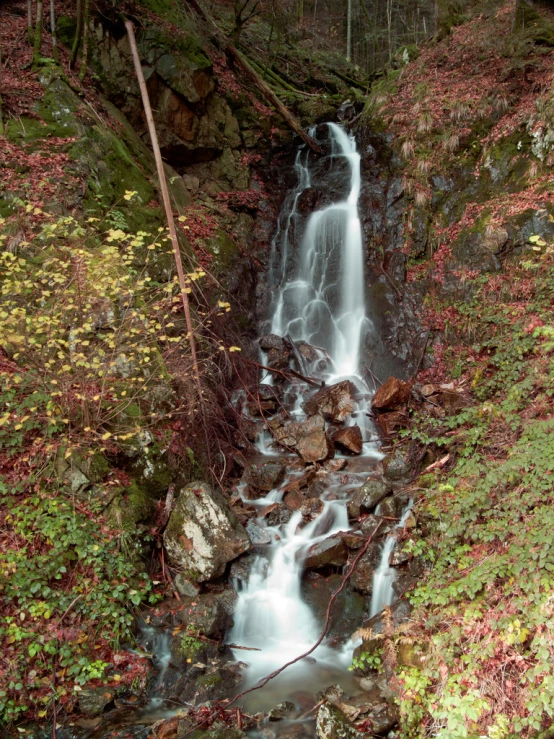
{"x":335,"y":595}
{"x":286,"y":373}
{"x":225,"y":44}
{"x":165,"y":198}
{"x":248,"y":649}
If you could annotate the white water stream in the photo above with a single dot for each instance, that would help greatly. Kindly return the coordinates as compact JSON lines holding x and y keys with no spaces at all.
{"x":319,"y":298}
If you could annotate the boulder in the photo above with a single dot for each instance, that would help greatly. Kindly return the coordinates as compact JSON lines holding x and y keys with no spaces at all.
{"x":93,"y":701}
{"x":258,"y":536}
{"x":278,"y":358}
{"x":312,"y":442}
{"x":392,"y":395}
{"x":281,"y":711}
{"x":278,"y":514}
{"x":335,"y":465}
{"x":390,"y":422}
{"x":349,"y":438}
{"x":312,"y":507}
{"x":348,"y":610}
{"x":265,"y":476}
{"x":208,"y":614}
{"x":396,"y":466}
{"x":308,"y":351}
{"x":203,"y":533}
{"x":335,"y":402}
{"x":293,"y":500}
{"x":367,"y":496}
{"x":271,"y":341}
{"x":329,"y":552}
{"x":362,"y":577}
{"x":331,"y":723}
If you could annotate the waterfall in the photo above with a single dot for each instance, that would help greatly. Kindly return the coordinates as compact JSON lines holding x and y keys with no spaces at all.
{"x":384,"y":576}
{"x":316,"y":272}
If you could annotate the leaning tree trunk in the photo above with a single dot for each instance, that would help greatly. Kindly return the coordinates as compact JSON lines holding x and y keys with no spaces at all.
{"x":224,"y":43}
{"x":38,"y":34}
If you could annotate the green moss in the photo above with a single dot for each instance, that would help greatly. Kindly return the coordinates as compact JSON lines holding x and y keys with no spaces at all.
{"x":210,"y":681}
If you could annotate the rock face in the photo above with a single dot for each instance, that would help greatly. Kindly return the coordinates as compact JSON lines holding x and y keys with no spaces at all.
{"x":392,"y":395}
{"x":331,"y":551}
{"x":335,"y":402}
{"x":203,"y":533}
{"x":349,"y":438}
{"x":333,"y":724}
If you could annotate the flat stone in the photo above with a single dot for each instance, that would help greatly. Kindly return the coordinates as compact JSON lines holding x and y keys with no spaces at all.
{"x":392,"y":395}
{"x":335,"y":402}
{"x":331,"y":551}
{"x":349,"y":438}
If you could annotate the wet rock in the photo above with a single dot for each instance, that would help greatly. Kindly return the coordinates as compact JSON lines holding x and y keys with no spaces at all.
{"x":271,"y":341}
{"x":317,"y":488}
{"x":349,"y":438}
{"x":362,"y":577}
{"x":399,"y":557}
{"x":393,"y":507}
{"x":383,"y":718}
{"x":348,"y":610}
{"x":325,"y":553}
{"x":281,"y":711}
{"x":353,"y":542}
{"x":93,"y":701}
{"x":258,"y":536}
{"x":240,"y":569}
{"x":392,"y":395}
{"x":331,"y":723}
{"x":293,"y":500}
{"x":335,"y":465}
{"x":311,"y":508}
{"x":400,"y":612}
{"x":396,"y":466}
{"x":389,"y":423}
{"x":203,"y":534}
{"x":366,"y":497}
{"x":278,"y":515}
{"x":267,"y":402}
{"x":278,"y":358}
{"x":369,"y":525}
{"x":312,"y":442}
{"x":308,"y":200}
{"x":308,"y":351}
{"x":335,"y":402}
{"x":266,"y":476}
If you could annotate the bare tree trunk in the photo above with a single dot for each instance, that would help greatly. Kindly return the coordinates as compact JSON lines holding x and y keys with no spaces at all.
{"x":84,"y":58}
{"x":389,"y":27}
{"x":1,"y":104}
{"x":30,"y":33}
{"x":165,"y":198}
{"x":266,"y":91}
{"x":349,"y":31}
{"x":299,"y":10}
{"x":78,"y":35}
{"x":55,"y":54}
{"x":38,"y":33}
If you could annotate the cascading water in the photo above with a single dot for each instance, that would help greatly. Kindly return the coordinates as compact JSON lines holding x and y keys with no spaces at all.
{"x":319,"y":298}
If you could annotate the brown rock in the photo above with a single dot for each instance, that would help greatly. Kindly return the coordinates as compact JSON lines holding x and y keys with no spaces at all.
{"x":307,"y":351}
{"x":312,"y":442}
{"x":335,"y":402}
{"x":390,"y":422}
{"x":271,"y":341}
{"x":312,"y":507}
{"x":349,"y":438}
{"x":353,"y":541}
{"x":265,"y":476}
{"x":392,"y":395}
{"x":335,"y":465}
{"x":330,"y":551}
{"x":293,"y":500}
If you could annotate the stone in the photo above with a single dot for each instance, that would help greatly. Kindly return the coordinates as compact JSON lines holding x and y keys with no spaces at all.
{"x":281,"y":711}
{"x":331,"y":723}
{"x":203,"y":534}
{"x":335,"y":465}
{"x":267,"y":400}
{"x":411,"y":654}
{"x":329,"y":552}
{"x":392,"y":507}
{"x":392,"y":395}
{"x":278,"y":515}
{"x":349,"y":438}
{"x":370,"y":523}
{"x":93,"y":701}
{"x":312,"y":507}
{"x":366,"y":497}
{"x":396,"y":466}
{"x":308,"y":351}
{"x":184,"y":586}
{"x":353,"y":542}
{"x":293,"y":500}
{"x":257,"y":535}
{"x":335,"y":402}
{"x":312,"y":442}
{"x":207,"y":614}
{"x":390,"y":422}
{"x":398,"y":556}
{"x":192,"y":183}
{"x":278,"y":358}
{"x":271,"y":341}
{"x":267,"y":476}
{"x":362,"y":577}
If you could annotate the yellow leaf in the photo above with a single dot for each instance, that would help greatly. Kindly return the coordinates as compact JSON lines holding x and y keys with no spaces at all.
{"x":106,"y":436}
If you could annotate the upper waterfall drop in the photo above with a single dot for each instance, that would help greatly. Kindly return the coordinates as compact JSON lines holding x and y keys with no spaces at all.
{"x":323,"y":300}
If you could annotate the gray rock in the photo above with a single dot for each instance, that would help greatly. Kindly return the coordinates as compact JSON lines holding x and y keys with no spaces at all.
{"x":184,"y":586}
{"x":331,"y":551}
{"x":281,"y":711}
{"x":258,"y":536}
{"x":396,"y":466}
{"x":203,"y":534}
{"x":366,"y":497}
{"x":93,"y":701}
{"x":265,"y":476}
{"x":331,"y":723}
